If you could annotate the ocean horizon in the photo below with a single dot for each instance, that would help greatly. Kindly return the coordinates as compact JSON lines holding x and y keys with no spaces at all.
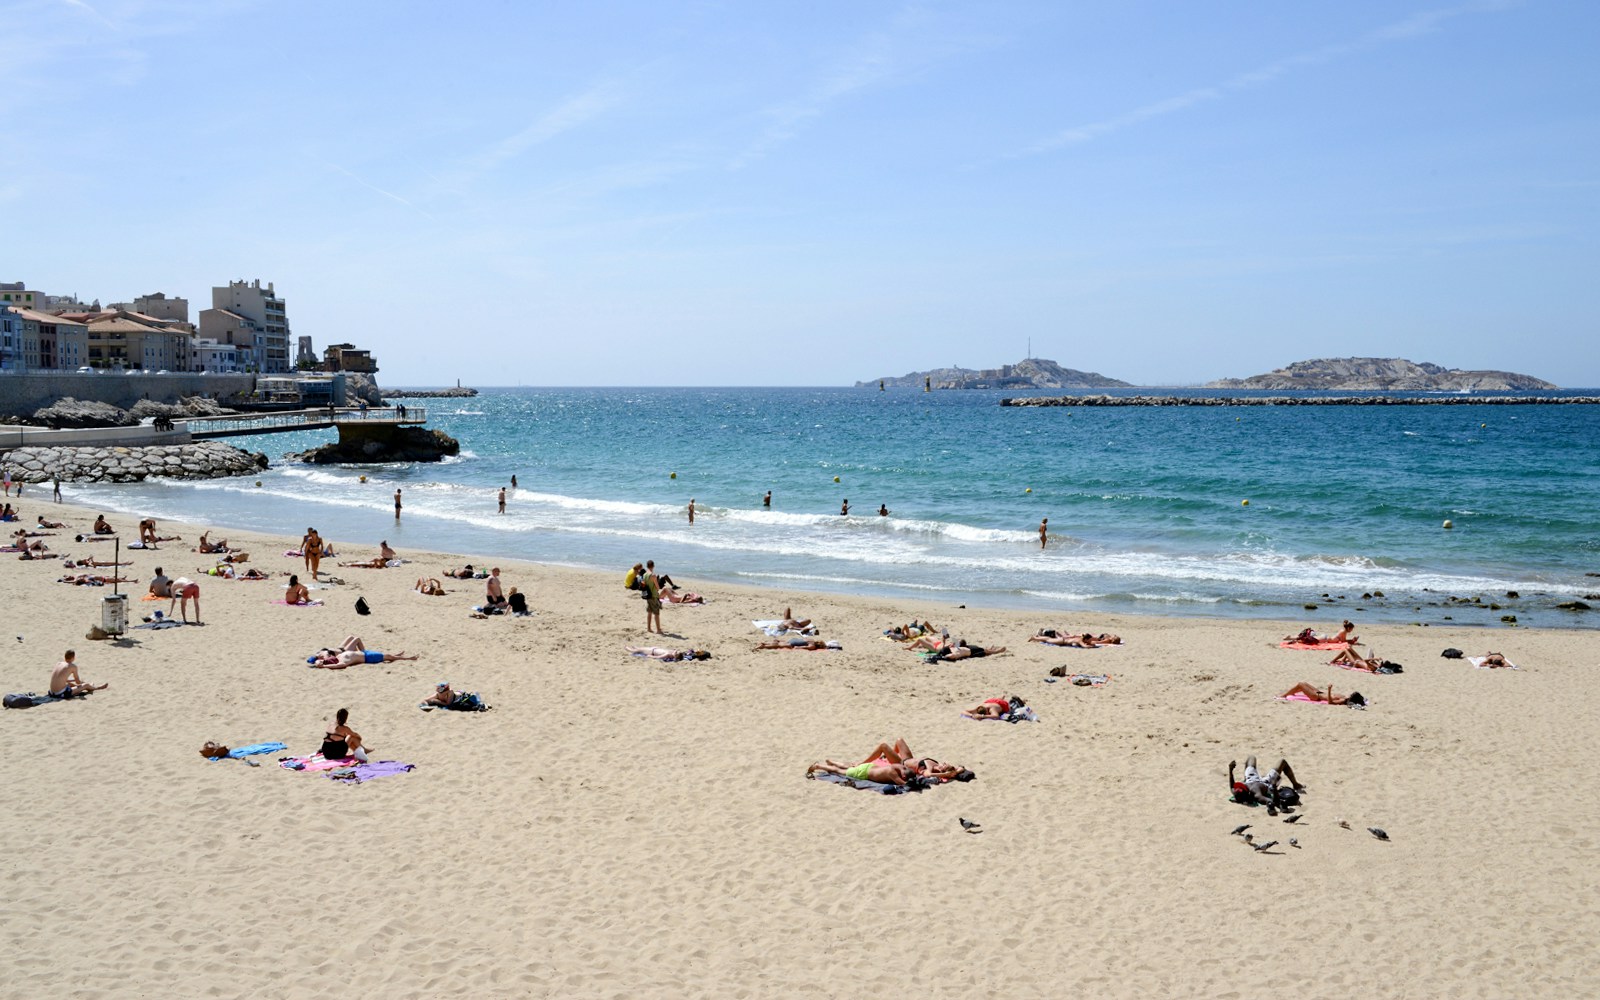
{"x":1146,"y":506}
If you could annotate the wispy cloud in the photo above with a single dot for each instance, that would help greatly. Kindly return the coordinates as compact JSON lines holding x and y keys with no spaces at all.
{"x":571,"y":113}
{"x":1415,"y":26}
{"x":373,"y":187}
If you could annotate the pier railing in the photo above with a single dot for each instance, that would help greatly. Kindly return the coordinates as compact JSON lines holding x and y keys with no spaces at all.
{"x":239,"y":424}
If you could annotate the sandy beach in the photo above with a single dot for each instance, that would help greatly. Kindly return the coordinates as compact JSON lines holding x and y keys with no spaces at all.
{"x":619,"y":827}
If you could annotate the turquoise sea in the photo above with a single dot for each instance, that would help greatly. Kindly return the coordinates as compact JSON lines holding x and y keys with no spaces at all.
{"x":1145,"y":504}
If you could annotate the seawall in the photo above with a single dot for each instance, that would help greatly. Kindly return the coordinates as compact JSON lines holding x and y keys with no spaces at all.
{"x":23,"y":392}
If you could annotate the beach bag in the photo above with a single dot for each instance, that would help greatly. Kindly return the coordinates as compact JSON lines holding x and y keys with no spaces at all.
{"x":361,"y":606}
{"x":19,"y":701}
{"x":1286,"y":796}
{"x":1390,"y":667}
{"x":1452,"y":653}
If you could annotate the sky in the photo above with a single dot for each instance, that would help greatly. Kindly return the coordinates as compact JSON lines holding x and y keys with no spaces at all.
{"x":812,"y":193}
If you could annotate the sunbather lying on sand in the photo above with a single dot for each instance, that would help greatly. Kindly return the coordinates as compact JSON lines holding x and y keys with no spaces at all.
{"x":930,"y":642}
{"x":995,"y":708}
{"x":221,"y":545}
{"x":672,"y":596}
{"x":94,"y":563}
{"x":913,"y":630}
{"x":375,"y":563}
{"x":1261,"y":786}
{"x":1495,"y":660}
{"x":353,"y":653}
{"x":429,"y":586}
{"x":883,"y":773}
{"x":91,"y":580}
{"x":792,"y":623}
{"x":49,"y":524}
{"x":462,"y":574}
{"x":1081,"y":641}
{"x":664,"y":653}
{"x":1326,"y":697}
{"x":1373,"y":664}
{"x":799,"y":642}
{"x":960,"y":650}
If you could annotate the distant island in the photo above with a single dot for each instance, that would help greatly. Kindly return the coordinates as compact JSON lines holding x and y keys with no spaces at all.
{"x":1032,"y":373}
{"x":1377,"y":374}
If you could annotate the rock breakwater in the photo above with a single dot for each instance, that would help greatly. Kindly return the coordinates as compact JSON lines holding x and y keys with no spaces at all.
{"x":206,"y":460}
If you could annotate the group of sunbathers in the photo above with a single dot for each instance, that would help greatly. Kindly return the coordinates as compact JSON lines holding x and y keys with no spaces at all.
{"x":1081,"y":640}
{"x":893,"y":765}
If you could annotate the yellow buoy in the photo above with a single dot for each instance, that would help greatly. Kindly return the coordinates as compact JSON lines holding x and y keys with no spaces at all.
{"x":1448,"y":524}
{"x":674,"y":475}
{"x":258,"y":484}
{"x":1483,"y":425}
{"x":1028,"y":490}
{"x":363,"y":479}
{"x":836,"y":479}
{"x":1244,"y":503}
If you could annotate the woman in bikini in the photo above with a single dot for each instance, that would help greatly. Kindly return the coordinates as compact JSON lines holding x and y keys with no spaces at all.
{"x":430,"y":586}
{"x":296,"y":592}
{"x":1353,"y":659}
{"x":994,"y":708}
{"x":311,"y":548}
{"x":1084,"y":641}
{"x":341,"y":741}
{"x":1345,"y":636}
{"x":1323,"y":696}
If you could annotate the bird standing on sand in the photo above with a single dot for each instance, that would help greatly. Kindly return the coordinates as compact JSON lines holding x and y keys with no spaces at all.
{"x":969,"y":826}
{"x":1294,"y":843}
{"x":1377,"y":832}
{"x":1238,"y":830}
{"x":1263,"y":847}
{"x":1297,"y":817}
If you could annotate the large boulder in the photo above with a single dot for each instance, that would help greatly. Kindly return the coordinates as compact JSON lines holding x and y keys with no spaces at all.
{"x":408,"y":444}
{"x":360,"y":388}
{"x":78,"y":413}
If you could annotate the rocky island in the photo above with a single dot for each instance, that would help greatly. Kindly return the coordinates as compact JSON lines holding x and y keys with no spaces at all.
{"x":1031,"y":373}
{"x":1382,"y":374}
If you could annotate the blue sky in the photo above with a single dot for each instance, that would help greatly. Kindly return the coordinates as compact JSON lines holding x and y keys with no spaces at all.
{"x":813,"y":193}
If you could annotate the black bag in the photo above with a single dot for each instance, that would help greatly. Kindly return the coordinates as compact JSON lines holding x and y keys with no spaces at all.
{"x":1390,"y":667}
{"x":19,"y":701}
{"x":361,"y":606}
{"x":1286,"y":796}
{"x":1451,"y":654}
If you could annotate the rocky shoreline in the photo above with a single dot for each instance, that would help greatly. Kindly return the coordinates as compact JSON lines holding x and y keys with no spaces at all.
{"x":1295,"y":400}
{"x":73,"y":464}
{"x":403,"y":444}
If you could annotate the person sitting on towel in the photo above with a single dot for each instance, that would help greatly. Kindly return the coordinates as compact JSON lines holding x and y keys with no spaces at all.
{"x":65,"y":682}
{"x":341,"y":741}
{"x":296,"y":592}
{"x":102,"y":527}
{"x":1261,"y":786}
{"x":160,"y":585}
{"x":442,"y":695}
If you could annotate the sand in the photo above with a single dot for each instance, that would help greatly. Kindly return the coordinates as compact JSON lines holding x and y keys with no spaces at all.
{"x":624,"y":828}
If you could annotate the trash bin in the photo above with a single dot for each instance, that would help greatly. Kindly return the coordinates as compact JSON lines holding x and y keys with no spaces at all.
{"x":114,"y":614}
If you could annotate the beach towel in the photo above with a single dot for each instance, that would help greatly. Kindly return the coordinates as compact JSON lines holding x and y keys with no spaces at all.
{"x":1326,"y":644}
{"x":308,"y":604}
{"x":1089,"y":680}
{"x":870,"y":786}
{"x":376,"y":769}
{"x":461,"y":703}
{"x":239,"y":753}
{"x":28,"y":700}
{"x":774,"y":627}
{"x":1024,"y":714}
{"x":154,"y":597}
{"x":1477,"y":661}
{"x":315,"y":762}
{"x":1302,"y":696}
{"x":163,"y":623}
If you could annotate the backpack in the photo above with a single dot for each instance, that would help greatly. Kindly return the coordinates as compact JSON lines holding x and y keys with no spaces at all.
{"x":1451,"y":654}
{"x":19,"y":701}
{"x":361,"y":606}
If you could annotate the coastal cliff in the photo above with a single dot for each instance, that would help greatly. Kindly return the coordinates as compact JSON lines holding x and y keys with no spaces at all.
{"x":1377,"y":374}
{"x":1032,"y":373}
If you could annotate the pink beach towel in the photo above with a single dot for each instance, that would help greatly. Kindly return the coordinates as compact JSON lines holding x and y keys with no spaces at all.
{"x":1327,"y":644}
{"x":1300,"y":696}
{"x":316,"y":762}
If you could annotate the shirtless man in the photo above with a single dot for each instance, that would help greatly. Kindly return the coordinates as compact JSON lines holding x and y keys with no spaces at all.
{"x":1084,"y":641}
{"x":147,"y":532}
{"x":883,"y":772}
{"x":502,"y":508}
{"x":49,"y":524}
{"x":494,"y":593}
{"x":65,"y":682}
{"x":959,"y":650}
{"x":442,"y":695}
{"x":221,"y":545}
{"x":691,"y":510}
{"x":102,"y":527}
{"x":354,"y":656}
{"x":385,"y":552}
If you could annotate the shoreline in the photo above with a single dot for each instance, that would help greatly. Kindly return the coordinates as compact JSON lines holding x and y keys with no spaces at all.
{"x":622,"y":826}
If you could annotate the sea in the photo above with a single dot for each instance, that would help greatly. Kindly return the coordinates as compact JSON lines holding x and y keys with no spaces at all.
{"x":1260,"y":512}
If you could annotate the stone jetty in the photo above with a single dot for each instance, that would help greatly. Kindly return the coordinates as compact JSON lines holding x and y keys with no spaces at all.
{"x":457,"y":392}
{"x":1453,"y":400}
{"x":74,"y":464}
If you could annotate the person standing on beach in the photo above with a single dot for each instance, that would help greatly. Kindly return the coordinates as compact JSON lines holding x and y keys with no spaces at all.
{"x":691,"y":510}
{"x":397,"y":505}
{"x":652,"y":602}
{"x":58,"y":488}
{"x":766,"y":501}
{"x":502,"y":500}
{"x":8,"y":480}
{"x":311,"y":548}
{"x":1044,"y":530}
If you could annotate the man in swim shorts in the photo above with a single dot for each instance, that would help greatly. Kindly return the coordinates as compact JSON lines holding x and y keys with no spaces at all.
{"x":1262,"y":786}
{"x":881,"y":771}
{"x":65,"y":682}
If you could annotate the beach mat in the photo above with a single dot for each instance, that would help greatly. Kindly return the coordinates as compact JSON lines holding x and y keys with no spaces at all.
{"x":239,"y":753}
{"x":1324,"y":644}
{"x":29,"y":700}
{"x":366,"y":772}
{"x":773,"y":627}
{"x":1477,"y":661}
{"x":870,"y":786}
{"x":315,"y":762}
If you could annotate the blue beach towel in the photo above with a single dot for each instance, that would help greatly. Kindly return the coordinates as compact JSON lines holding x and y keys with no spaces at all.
{"x":239,"y":753}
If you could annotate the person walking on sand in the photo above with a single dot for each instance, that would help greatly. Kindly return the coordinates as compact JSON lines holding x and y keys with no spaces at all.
{"x":65,"y":682}
{"x":652,"y":602}
{"x":57,"y":481}
{"x":502,"y":500}
{"x":691,"y":510}
{"x":311,"y":548}
{"x":397,"y":505}
{"x":1044,"y":530}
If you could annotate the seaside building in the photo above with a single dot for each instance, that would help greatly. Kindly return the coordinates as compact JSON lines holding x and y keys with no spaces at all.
{"x":10,"y":339}
{"x":225,"y":327}
{"x":212,"y":356}
{"x":266,"y":314}
{"x":47,"y":342}
{"x":17,"y":293}
{"x":346,"y":358}
{"x":118,"y":340}
{"x":157,"y":306}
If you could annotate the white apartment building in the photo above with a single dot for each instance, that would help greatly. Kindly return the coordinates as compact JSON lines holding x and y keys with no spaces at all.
{"x":212,"y":356}
{"x":262,"y":307}
{"x":248,"y":340}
